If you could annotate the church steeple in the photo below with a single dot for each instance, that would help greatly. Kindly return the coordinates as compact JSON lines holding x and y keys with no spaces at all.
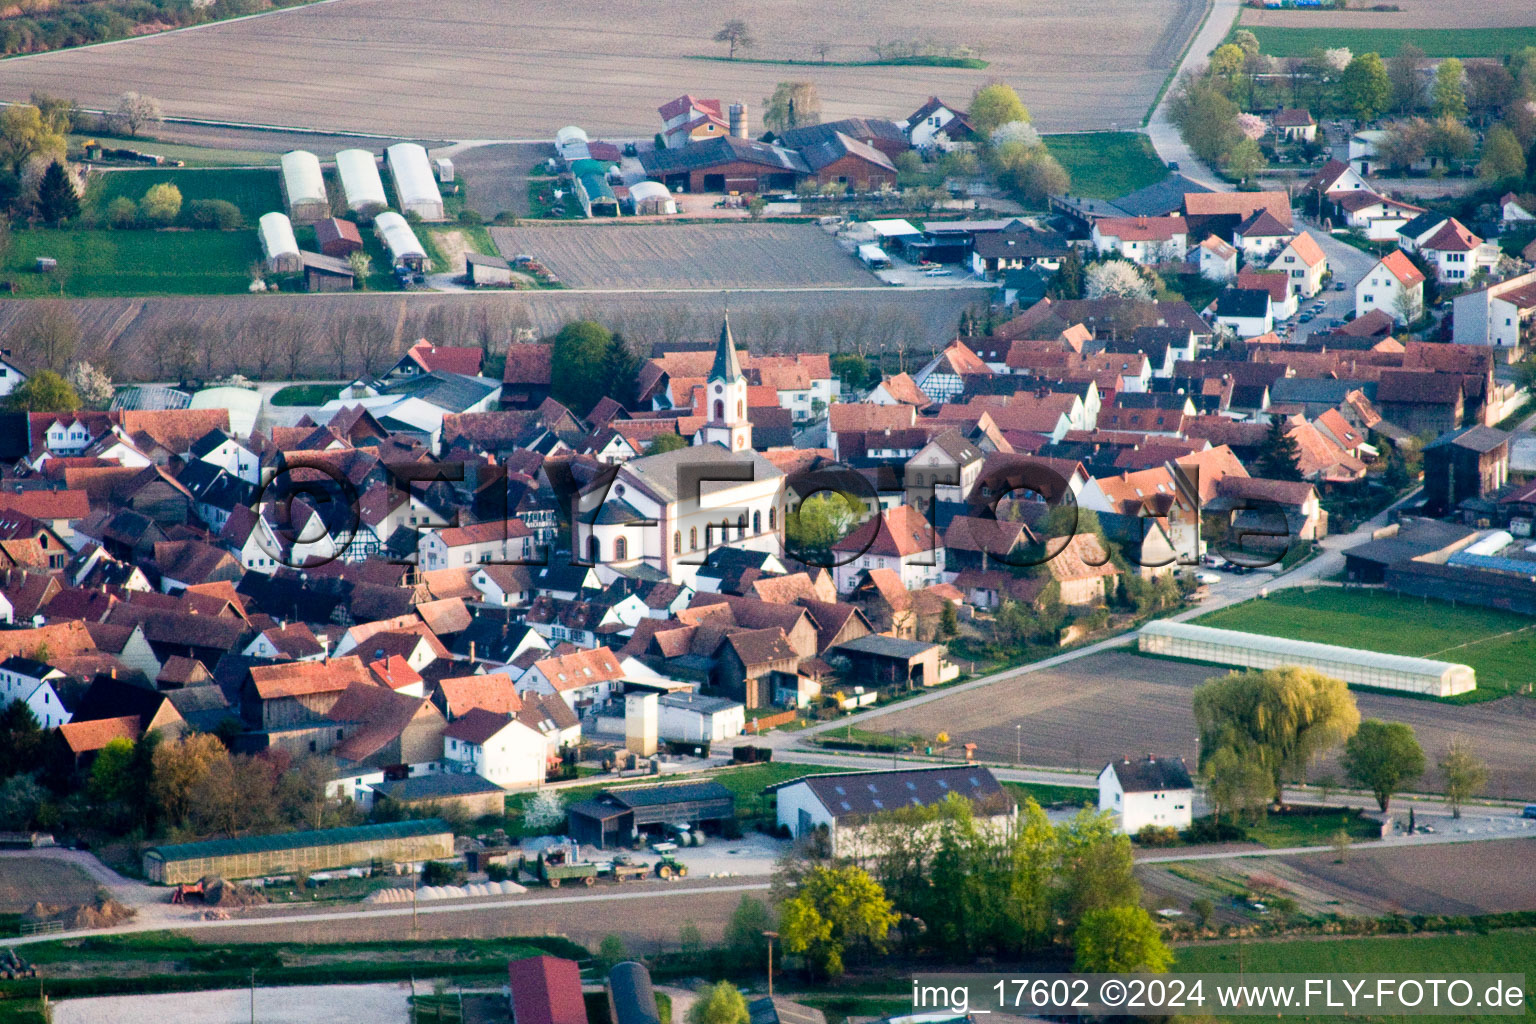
{"x":725,"y":395}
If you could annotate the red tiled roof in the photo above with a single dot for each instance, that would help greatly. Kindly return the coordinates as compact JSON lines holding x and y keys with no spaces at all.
{"x":899,"y":532}
{"x":84,"y":737}
{"x":1142,"y":229}
{"x":1402,"y":268}
{"x":1453,"y":236}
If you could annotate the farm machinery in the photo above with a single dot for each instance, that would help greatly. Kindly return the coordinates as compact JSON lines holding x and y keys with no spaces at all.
{"x":13,"y":966}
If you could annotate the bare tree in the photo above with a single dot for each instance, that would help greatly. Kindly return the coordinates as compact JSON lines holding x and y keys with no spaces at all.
{"x":373,"y":343}
{"x":735,"y":34}
{"x":338,"y":342}
{"x":46,"y":335}
{"x":821,"y":50}
{"x":174,"y":349}
{"x":257,"y":344}
{"x":290,"y":340}
{"x":135,"y":112}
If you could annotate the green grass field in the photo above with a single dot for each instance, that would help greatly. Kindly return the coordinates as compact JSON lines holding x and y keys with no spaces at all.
{"x":1281,"y":831}
{"x":109,"y":263}
{"x":1106,"y":165}
{"x":305,"y":394}
{"x":1435,"y":42}
{"x":254,"y":191}
{"x":1436,"y":955}
{"x":1484,"y":638}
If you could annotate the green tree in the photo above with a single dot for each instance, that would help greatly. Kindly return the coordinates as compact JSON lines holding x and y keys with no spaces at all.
{"x":577,"y":362}
{"x":720,"y":1003}
{"x":792,"y":105}
{"x":832,"y":909}
{"x":122,"y":212}
{"x":43,"y":392}
{"x":852,"y":369}
{"x":1503,"y":159}
{"x":993,"y":106}
{"x":25,"y":133}
{"x":1465,"y":774}
{"x":218,"y":214}
{"x":179,"y":768}
{"x":1245,"y":159}
{"x":1041,"y":176}
{"x":621,"y":372}
{"x":1449,"y":141}
{"x":1403,"y":72}
{"x":1067,"y":282}
{"x":1202,"y":908}
{"x":1206,"y":118}
{"x":1227,"y":61}
{"x":1279,"y":455}
{"x":1237,"y":786}
{"x":666,"y":443}
{"x":949,"y":621}
{"x":1120,"y":940}
{"x":822,"y":520}
{"x":1366,"y":87}
{"x":57,"y":200}
{"x":161,"y":203}
{"x":1097,"y":868}
{"x":1246,"y":41}
{"x":611,"y":950}
{"x":113,"y":783}
{"x":21,"y":739}
{"x":1382,"y":756}
{"x":1449,"y":92}
{"x":744,"y":936}
{"x":1280,"y":718}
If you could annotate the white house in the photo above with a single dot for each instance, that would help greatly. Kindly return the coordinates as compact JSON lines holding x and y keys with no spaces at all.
{"x":503,"y":586}
{"x":32,"y":683}
{"x":1260,"y":234}
{"x":1394,"y":286}
{"x":1377,"y":217}
{"x":1218,"y":260}
{"x":1457,"y":254}
{"x":690,"y":718}
{"x":843,"y":802}
{"x":497,"y":747}
{"x":1499,"y":316}
{"x":1247,"y":311}
{"x":219,"y":449}
{"x":900,"y":538}
{"x":583,"y":679}
{"x":1142,"y":240}
{"x":11,"y":375}
{"x":1303,"y":262}
{"x":1154,"y":791}
{"x":501,"y":540}
{"x":936,"y":126}
{"x":1363,"y":146}
{"x":1510,"y":210}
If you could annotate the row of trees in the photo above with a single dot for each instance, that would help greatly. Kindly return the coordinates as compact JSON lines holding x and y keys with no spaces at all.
{"x":944,"y":881}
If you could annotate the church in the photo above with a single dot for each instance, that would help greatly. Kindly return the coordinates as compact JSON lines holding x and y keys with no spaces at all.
{"x":668,"y":511}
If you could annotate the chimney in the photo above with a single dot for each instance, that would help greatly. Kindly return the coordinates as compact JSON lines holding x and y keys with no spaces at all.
{"x":739,"y":119}
{"x":471,"y":650}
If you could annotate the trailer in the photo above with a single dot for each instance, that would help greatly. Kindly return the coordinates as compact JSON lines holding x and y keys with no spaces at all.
{"x":624,"y":868}
{"x":563,"y":863}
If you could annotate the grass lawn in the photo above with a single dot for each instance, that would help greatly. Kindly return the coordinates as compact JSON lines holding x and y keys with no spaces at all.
{"x":192,"y":156}
{"x":1045,"y":794}
{"x":1107,"y":165}
{"x":541,"y":199}
{"x":306,"y":394}
{"x":1196,"y":289}
{"x":255,"y":191}
{"x":1497,"y":644}
{"x":1435,"y":955}
{"x":1280,"y":831}
{"x":107,"y":263}
{"x":1435,"y":42}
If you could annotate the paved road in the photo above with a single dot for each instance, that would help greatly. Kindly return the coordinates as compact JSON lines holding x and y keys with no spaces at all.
{"x":1165,"y":137}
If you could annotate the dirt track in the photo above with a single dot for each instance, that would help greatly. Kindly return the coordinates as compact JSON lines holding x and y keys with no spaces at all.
{"x":487,"y":70}
{"x":1113,"y":704}
{"x":1414,"y":14}
{"x":1461,"y":878}
{"x":28,"y":880}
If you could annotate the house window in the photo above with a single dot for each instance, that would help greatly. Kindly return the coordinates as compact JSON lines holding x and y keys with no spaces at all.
{"x":772,"y":515}
{"x":757,"y":522}
{"x":740,"y":408}
{"x":677,"y":542}
{"x":719,"y":409}
{"x":741,"y":526}
{"x":693,"y":538}
{"x":620,"y":549}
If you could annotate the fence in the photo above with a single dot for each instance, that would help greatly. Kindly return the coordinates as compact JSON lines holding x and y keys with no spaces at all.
{"x":41,"y":927}
{"x":762,"y":722}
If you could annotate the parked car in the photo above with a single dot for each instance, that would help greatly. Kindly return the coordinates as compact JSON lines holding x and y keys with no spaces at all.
{"x":1173,"y":165}
{"x":1340,"y":286}
{"x":1529,"y":812}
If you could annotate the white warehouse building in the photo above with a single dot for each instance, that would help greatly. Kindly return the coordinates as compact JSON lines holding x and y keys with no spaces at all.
{"x":279,"y":247}
{"x":1353,"y":666}
{"x":361,"y":185}
{"x":304,"y":187}
{"x":404,"y":248}
{"x":415,"y":186}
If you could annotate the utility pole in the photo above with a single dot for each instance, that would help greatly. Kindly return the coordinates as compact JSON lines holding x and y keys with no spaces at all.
{"x":770,"y":936}
{"x":253,"y":995}
{"x":1018,"y":744}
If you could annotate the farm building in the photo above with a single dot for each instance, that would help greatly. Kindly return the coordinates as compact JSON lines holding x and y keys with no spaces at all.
{"x":545,"y":990}
{"x":572,"y":144}
{"x":840,"y":160}
{"x":361,"y":185}
{"x":651,"y":197}
{"x":326,"y":273}
{"x":1353,"y":666}
{"x":726,"y":165}
{"x":400,"y":842}
{"x":844,"y":802}
{"x":476,"y":796}
{"x":337,"y":237}
{"x":415,"y":186}
{"x":486,"y":270}
{"x":404,"y":248}
{"x":615,"y":816}
{"x":631,"y":999}
{"x":279,"y":248}
{"x":304,"y":187}
{"x":592,"y":189}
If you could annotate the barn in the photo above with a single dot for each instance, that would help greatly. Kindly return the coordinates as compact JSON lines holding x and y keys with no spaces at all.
{"x":326,"y":273}
{"x":615,"y":816}
{"x":726,"y":164}
{"x":415,"y":186}
{"x":303,"y":187}
{"x":405,"y":249}
{"x":841,"y":160}
{"x":400,"y":842}
{"x":487,"y":270}
{"x":361,"y":185}
{"x":279,"y":247}
{"x":337,"y":237}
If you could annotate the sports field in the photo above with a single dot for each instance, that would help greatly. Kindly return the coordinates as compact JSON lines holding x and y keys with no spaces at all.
{"x":1296,"y":41}
{"x":483,"y":69}
{"x":1497,"y":644}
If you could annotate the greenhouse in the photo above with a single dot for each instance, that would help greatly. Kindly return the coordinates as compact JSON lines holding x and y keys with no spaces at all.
{"x":304,"y":187}
{"x":279,"y":247}
{"x":360,"y":181}
{"x":415,"y":186}
{"x":1353,"y":666}
{"x":401,"y":842}
{"x":404,"y":248}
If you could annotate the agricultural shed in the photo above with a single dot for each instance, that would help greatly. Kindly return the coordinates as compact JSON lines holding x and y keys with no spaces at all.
{"x":572,"y":144}
{"x":1353,"y":666}
{"x":483,"y":270}
{"x":631,"y":998}
{"x":327,"y":273}
{"x":404,"y":248}
{"x":726,"y":164}
{"x":415,"y":186}
{"x":475,"y":795}
{"x":303,"y":187}
{"x":615,"y":815}
{"x":337,"y":237}
{"x":399,"y":842}
{"x":279,"y":248}
{"x":651,"y":197}
{"x":592,"y":189}
{"x":361,"y":185}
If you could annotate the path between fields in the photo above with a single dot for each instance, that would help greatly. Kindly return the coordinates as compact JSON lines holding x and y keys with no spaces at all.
{"x":1165,"y":137}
